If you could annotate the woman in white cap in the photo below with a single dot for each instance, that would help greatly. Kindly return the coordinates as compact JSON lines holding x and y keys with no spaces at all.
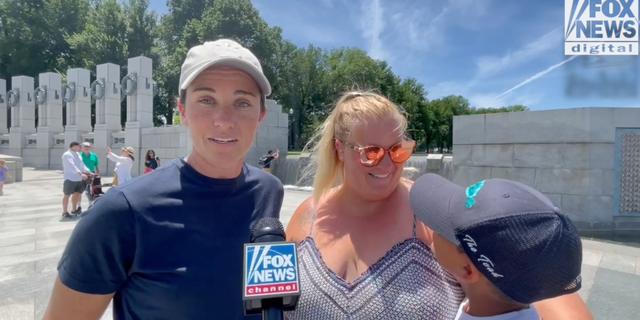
{"x":141,"y":246}
{"x":124,"y":163}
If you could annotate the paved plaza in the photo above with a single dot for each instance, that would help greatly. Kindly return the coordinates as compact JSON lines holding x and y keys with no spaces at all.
{"x":32,"y":239}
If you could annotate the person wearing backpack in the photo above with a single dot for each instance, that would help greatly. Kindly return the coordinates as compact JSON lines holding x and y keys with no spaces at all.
{"x":266,"y":160}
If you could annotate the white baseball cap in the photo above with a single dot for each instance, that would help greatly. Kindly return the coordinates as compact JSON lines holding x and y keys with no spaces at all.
{"x":222,"y":52}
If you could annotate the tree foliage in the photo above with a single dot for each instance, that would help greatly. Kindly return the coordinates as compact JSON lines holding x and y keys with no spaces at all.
{"x":55,"y":35}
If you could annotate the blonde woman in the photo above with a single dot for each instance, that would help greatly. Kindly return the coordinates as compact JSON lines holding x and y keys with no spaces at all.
{"x":362,"y":253}
{"x":124,"y":164}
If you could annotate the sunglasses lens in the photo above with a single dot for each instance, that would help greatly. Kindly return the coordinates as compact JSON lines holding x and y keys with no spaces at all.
{"x":402,"y":151}
{"x":371,"y":155}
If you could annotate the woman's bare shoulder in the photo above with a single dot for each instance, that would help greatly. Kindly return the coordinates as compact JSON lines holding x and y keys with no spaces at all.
{"x":422,"y":231}
{"x":407,"y":183}
{"x":298,"y":226}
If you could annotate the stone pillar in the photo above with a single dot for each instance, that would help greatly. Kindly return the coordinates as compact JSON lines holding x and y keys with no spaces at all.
{"x":138,"y":87}
{"x":78,"y":101}
{"x":48,"y":98}
{"x":23,"y":113}
{"x":4,"y":122}
{"x":106,"y":90}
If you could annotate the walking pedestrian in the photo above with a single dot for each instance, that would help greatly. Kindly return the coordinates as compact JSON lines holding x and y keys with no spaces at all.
{"x":75,"y":173}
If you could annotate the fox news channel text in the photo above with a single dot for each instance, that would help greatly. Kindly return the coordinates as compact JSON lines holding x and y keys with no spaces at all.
{"x":270,"y":270}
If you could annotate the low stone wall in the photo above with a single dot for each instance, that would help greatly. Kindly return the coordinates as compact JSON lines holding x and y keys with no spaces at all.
{"x":167,"y":142}
{"x":295,"y":171}
{"x":14,"y":164}
{"x":571,"y":155}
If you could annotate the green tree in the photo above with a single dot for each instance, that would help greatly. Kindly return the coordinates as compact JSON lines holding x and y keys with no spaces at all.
{"x":513,"y":108}
{"x":140,"y":27}
{"x":411,"y":96}
{"x":303,"y":90}
{"x":351,"y":69}
{"x":34,"y":35}
{"x":176,"y":32}
{"x":240,"y":21}
{"x":102,"y":40}
{"x":444,"y":109}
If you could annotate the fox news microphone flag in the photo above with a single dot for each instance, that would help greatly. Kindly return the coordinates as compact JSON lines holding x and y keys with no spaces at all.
{"x":271,"y":282}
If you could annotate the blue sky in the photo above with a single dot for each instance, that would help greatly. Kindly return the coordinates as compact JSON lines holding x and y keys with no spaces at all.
{"x":493,"y":52}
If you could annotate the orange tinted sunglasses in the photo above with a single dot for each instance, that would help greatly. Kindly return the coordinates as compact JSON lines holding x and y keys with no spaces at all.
{"x":371,"y":155}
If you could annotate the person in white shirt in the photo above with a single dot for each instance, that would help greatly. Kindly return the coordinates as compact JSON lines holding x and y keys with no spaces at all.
{"x":75,"y":174}
{"x":506,"y":244}
{"x":124,"y":164}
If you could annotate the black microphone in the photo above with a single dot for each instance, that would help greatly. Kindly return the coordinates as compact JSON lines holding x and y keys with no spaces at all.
{"x":271,"y":282}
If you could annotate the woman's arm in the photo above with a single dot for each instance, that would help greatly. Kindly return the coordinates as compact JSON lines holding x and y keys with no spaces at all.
{"x":113,"y":157}
{"x":68,"y":304}
{"x":567,"y":307}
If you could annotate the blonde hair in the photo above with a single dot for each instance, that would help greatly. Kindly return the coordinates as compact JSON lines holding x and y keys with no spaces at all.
{"x":349,"y":109}
{"x":2,"y":162}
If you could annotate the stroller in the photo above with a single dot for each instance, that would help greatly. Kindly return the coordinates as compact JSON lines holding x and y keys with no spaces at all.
{"x":94,"y":189}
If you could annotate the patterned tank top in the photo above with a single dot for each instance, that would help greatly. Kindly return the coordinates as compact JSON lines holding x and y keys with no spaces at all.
{"x":407,"y":283}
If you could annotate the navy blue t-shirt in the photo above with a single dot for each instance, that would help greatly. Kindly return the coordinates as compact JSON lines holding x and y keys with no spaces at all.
{"x":170,"y":243}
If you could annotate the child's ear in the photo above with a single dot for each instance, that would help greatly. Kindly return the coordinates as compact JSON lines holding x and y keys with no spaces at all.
{"x":468,"y":272}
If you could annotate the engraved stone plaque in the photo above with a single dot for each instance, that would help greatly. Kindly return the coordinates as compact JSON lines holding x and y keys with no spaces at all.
{"x":629,"y":174}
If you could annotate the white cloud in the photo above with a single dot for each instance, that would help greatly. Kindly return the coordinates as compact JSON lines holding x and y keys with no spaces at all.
{"x":485,"y":99}
{"x":536,"y":76}
{"x":372,"y":25}
{"x":317,"y":35}
{"x":425,"y":27}
{"x":491,"y":65}
{"x":296,"y":25}
{"x":448,"y":87}
{"x":393,"y":28}
{"x":489,"y":100}
{"x":420,"y":29}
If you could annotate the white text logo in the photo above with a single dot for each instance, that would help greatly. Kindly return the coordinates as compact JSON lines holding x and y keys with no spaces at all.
{"x":484,"y":260}
{"x":601,"y":27}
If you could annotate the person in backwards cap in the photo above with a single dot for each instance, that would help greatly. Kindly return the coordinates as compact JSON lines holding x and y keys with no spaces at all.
{"x":505,"y":242}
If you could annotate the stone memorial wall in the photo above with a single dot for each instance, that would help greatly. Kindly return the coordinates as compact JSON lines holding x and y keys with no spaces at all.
{"x":586,"y":160}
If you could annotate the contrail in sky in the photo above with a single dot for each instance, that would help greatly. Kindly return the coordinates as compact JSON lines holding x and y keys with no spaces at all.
{"x":536,"y":76}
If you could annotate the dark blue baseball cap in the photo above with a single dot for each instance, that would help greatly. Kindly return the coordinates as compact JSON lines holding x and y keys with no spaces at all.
{"x":527,"y":247}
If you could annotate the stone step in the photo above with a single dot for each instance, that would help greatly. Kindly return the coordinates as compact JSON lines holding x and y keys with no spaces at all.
{"x":627,"y":223}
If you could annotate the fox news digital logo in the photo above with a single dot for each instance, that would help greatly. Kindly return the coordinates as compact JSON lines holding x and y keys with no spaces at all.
{"x":270,"y":269}
{"x":601,"y":27}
